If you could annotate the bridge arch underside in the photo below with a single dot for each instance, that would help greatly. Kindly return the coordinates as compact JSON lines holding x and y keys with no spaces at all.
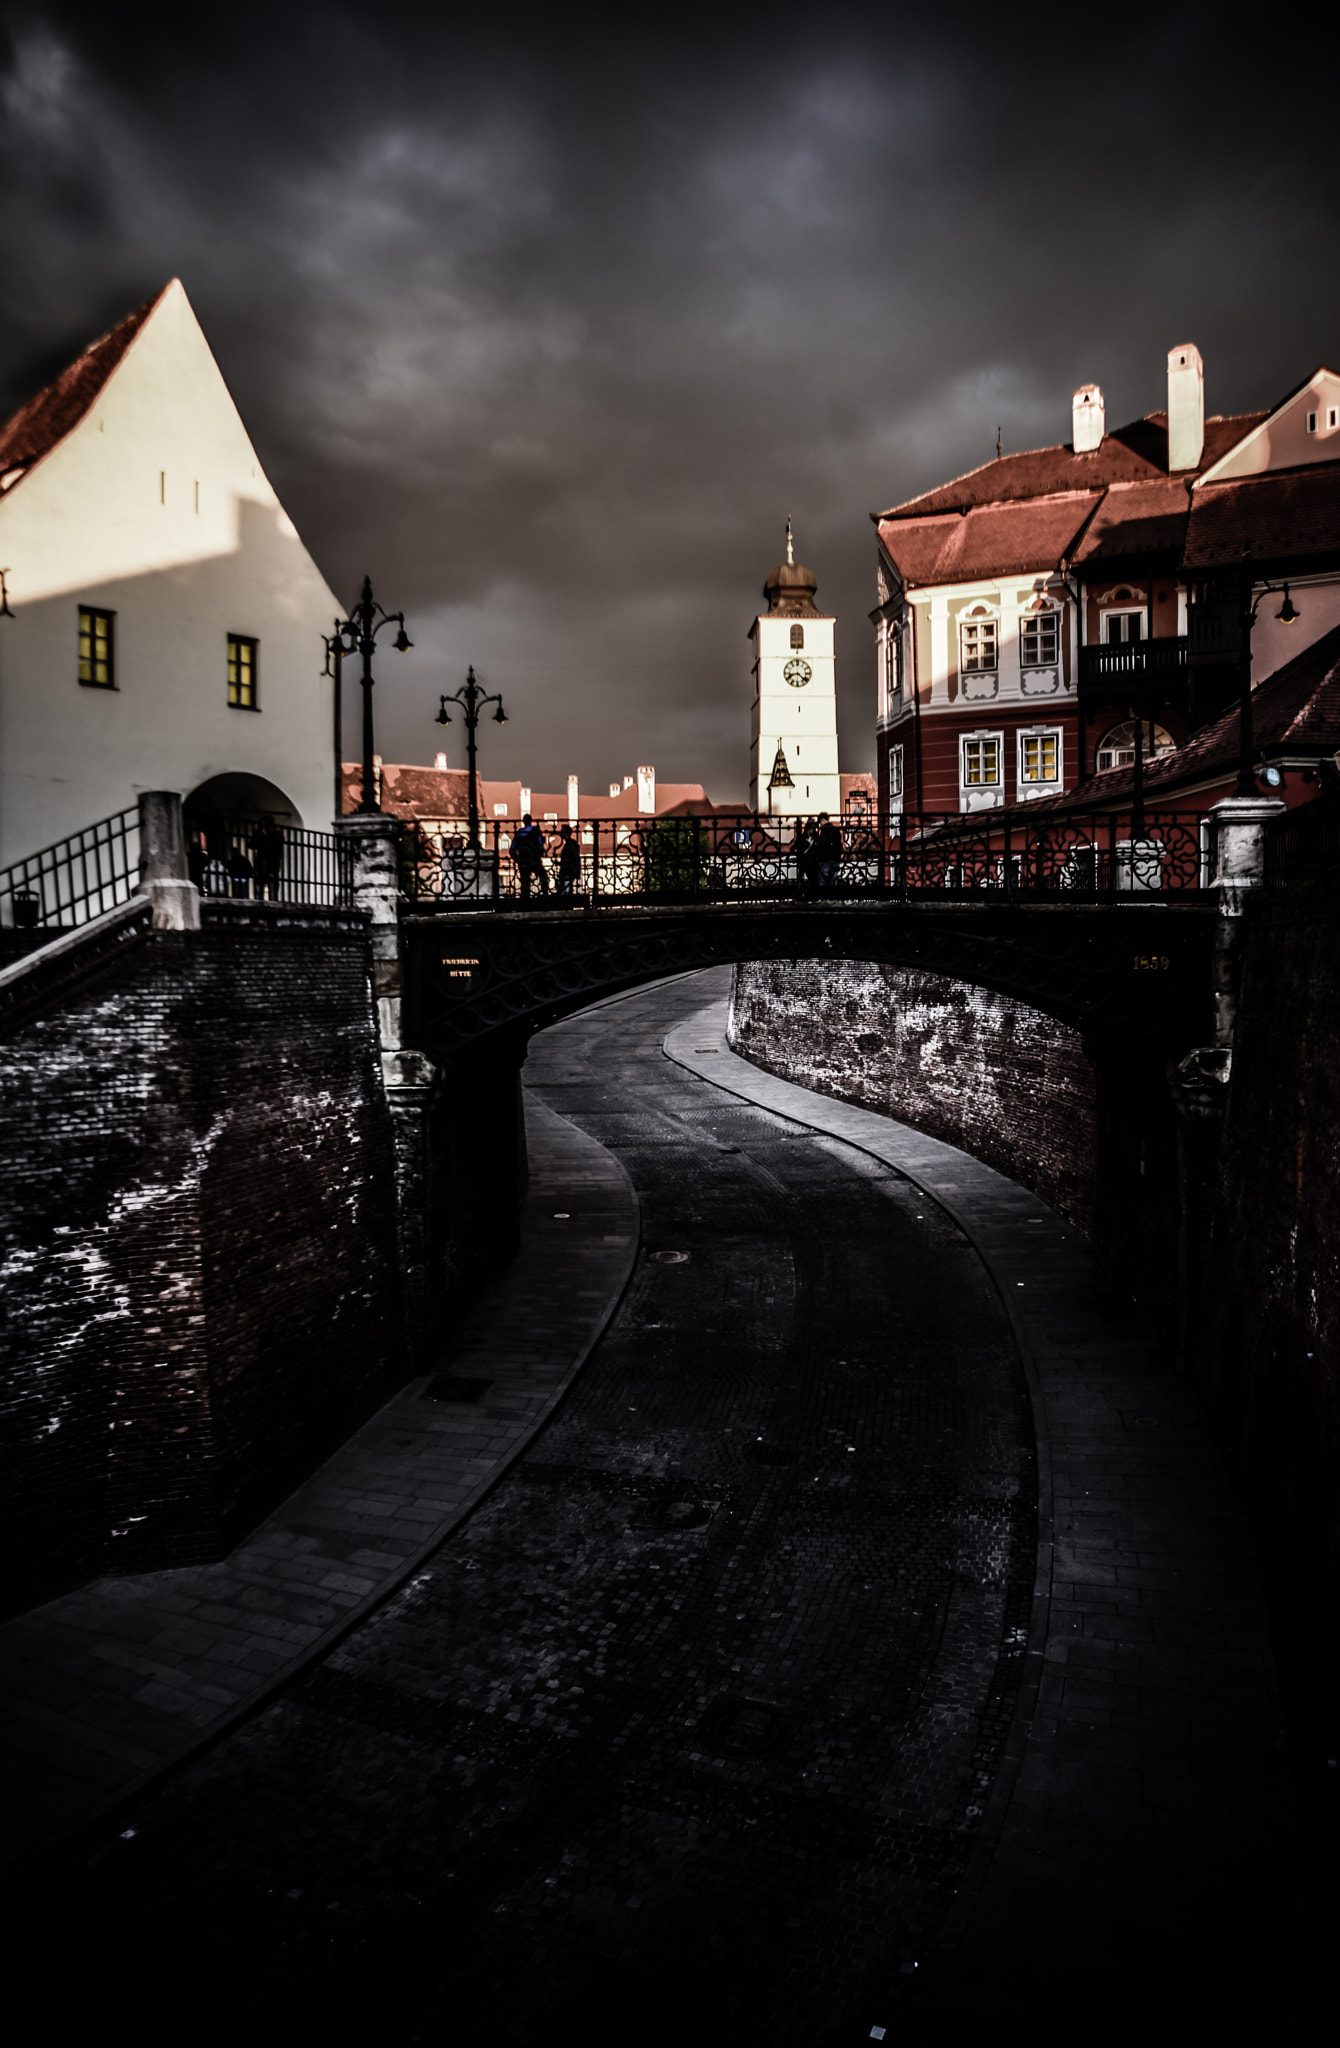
{"x":1138,"y":970}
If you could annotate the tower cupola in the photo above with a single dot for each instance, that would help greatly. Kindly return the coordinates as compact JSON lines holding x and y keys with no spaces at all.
{"x":791,"y":586}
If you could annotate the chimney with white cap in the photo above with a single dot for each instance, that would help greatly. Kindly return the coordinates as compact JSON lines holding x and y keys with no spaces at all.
{"x":646,"y":791}
{"x":1086,"y":419}
{"x":574,"y":801}
{"x":1186,"y":407}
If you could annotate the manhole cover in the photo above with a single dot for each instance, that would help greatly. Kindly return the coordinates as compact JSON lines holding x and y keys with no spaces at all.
{"x":670,"y":1258}
{"x":672,"y":1515}
{"x":1141,"y":1421}
{"x":743,"y":1727}
{"x":773,"y":1454}
{"x":448,"y":1387}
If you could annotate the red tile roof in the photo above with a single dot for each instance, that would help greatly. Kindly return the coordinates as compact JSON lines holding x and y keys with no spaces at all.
{"x":36,"y":428}
{"x":1284,"y":514}
{"x":1024,"y":513}
{"x":1131,"y":454}
{"x":991,"y":540}
{"x":437,"y":793}
{"x":1138,"y":519}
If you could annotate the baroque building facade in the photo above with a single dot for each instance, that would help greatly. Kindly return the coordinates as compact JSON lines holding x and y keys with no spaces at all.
{"x":1039,"y":615}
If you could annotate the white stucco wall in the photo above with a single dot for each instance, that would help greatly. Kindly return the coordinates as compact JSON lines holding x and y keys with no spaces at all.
{"x":155,"y":507}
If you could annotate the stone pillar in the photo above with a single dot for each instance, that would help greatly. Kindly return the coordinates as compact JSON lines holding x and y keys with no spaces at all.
{"x":1239,"y":867}
{"x":164,"y":876}
{"x":407,"y":1077}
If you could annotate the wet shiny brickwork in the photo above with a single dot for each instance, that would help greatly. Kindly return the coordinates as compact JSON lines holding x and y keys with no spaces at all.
{"x":689,"y":1730}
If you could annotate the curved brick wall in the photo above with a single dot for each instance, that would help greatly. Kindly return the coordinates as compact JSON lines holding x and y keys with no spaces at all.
{"x":1004,"y":1082}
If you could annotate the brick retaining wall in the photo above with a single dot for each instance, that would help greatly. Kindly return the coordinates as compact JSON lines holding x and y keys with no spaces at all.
{"x":1270,"y":1357}
{"x":198,"y":1281}
{"x":984,"y":1072}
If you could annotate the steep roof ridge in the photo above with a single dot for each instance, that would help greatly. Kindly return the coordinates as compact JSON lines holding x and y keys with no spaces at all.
{"x":942,"y":499}
{"x":43,"y":421}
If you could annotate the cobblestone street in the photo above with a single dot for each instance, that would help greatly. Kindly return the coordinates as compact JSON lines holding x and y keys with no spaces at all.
{"x":694,"y":1728}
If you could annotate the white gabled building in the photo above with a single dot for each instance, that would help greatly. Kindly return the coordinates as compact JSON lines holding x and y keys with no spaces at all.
{"x":167,"y":619}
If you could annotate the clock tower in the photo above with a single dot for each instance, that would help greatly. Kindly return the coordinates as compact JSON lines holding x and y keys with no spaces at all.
{"x":793,"y":761}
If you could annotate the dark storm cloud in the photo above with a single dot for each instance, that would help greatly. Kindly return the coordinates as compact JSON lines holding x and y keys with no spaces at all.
{"x":551,"y":330}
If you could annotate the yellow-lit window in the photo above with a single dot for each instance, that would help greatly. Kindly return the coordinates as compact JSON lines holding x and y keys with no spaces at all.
{"x":96,"y":665}
{"x":242,"y":673}
{"x":1039,"y":749}
{"x":981,"y":763}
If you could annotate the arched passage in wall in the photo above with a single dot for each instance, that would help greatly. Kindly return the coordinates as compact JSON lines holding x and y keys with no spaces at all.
{"x":239,"y":795}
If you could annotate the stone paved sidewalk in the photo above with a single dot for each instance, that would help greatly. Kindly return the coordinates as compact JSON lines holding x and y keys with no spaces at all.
{"x":1144,"y":1818}
{"x":104,"y":1689}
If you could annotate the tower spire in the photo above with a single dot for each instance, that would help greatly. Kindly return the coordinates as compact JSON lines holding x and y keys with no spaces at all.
{"x":790,"y":544}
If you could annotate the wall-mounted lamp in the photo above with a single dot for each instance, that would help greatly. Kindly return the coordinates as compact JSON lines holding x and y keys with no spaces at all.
{"x":1287,"y":612}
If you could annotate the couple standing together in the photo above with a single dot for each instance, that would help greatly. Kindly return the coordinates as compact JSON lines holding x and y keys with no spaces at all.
{"x":528,"y":851}
{"x":818,"y":851}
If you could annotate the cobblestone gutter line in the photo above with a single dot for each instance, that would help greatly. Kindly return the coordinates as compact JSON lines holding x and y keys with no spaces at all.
{"x":106,"y":1689}
{"x":1147,"y":1709}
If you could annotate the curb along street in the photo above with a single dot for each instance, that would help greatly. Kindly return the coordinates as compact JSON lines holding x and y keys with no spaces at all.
{"x":109,"y":1688}
{"x":1148,"y":1709}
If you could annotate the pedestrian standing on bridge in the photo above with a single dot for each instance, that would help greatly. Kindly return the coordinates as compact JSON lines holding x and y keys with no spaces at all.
{"x":827,"y":853}
{"x":805,"y":834}
{"x":528,"y":856}
{"x":569,"y":861}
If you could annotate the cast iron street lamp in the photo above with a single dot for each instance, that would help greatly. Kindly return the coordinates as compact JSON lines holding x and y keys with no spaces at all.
{"x":358,"y":635}
{"x":1286,"y":615}
{"x":472,"y":701}
{"x":334,"y":668}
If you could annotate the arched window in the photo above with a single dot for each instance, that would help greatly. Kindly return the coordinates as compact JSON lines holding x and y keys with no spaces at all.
{"x":797,"y":636}
{"x":1117,"y":748}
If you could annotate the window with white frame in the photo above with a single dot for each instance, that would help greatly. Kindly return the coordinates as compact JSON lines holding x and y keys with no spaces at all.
{"x":1039,"y":766}
{"x":893,"y":659}
{"x":1116,"y":749}
{"x":1119,"y":627}
{"x":895,"y":778}
{"x":978,"y":642}
{"x":1039,"y":638}
{"x":981,"y":762}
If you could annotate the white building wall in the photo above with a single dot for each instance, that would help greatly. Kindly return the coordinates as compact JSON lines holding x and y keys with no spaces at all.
{"x":155,"y":507}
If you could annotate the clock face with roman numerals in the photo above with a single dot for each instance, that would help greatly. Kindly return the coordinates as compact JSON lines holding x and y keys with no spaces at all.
{"x":797,"y":673}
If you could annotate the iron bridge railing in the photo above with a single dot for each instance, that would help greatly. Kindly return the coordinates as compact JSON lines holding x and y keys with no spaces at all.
{"x":98,"y":869}
{"x":77,"y":879}
{"x":1303,"y":845}
{"x":626,"y":861}
{"x":259,"y":861}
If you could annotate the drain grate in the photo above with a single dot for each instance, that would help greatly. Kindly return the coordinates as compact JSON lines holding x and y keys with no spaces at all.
{"x":674,"y":1516}
{"x":448,"y":1386}
{"x":743,"y":1727}
{"x":773,"y":1454}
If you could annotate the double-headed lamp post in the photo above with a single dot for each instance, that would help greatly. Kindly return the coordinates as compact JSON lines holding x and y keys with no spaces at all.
{"x":472,"y":701}
{"x":358,"y":635}
{"x":1286,"y":615}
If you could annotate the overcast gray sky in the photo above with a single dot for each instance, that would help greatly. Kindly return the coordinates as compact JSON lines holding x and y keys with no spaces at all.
{"x":549,"y":328}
